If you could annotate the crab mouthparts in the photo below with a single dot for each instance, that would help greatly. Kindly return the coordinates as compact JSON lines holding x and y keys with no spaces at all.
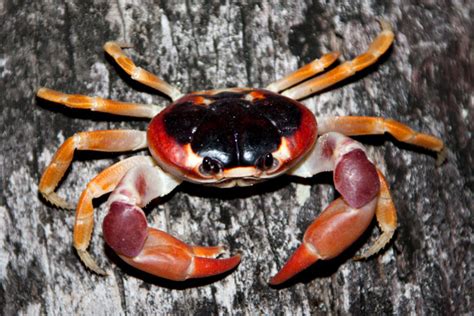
{"x":241,"y":172}
{"x":240,"y":176}
{"x":237,"y":182}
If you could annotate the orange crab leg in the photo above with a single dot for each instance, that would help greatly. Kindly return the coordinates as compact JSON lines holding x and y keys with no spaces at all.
{"x":114,"y":49}
{"x":78,"y":101}
{"x":364,"y":125}
{"x":303,"y":73}
{"x":108,"y":140}
{"x":378,"y":47}
{"x":156,"y":252}
{"x":386,"y":215}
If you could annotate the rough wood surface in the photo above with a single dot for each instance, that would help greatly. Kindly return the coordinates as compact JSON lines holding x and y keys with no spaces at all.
{"x":425,"y":80}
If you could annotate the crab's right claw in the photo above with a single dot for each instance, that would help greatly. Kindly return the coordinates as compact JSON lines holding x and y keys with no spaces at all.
{"x":167,"y":257}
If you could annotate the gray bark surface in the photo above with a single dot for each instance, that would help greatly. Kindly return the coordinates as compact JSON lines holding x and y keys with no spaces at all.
{"x":425,"y":80}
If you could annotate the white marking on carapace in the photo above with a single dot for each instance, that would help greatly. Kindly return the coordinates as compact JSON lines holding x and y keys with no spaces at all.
{"x":206,"y":101}
{"x":283,"y":152}
{"x":200,"y":100}
{"x":249,"y":97}
{"x":192,"y":160}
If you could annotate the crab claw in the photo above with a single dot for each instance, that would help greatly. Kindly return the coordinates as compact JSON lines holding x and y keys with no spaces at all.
{"x":167,"y":257}
{"x":328,"y":236}
{"x":157,"y":252}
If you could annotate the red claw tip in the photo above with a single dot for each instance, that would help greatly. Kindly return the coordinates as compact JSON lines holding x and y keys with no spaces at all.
{"x":205,"y":267}
{"x":302,"y":258}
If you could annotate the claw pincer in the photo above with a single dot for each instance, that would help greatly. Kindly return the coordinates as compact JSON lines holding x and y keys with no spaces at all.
{"x":126,"y":231}
{"x":169,"y":258}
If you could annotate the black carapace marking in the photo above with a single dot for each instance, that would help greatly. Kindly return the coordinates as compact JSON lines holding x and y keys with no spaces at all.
{"x":232,"y":129}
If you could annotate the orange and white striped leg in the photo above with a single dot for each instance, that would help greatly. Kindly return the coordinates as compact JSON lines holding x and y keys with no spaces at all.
{"x":378,"y":47}
{"x":78,"y":101}
{"x":365,"y":125}
{"x":103,"y":183}
{"x":303,"y":73}
{"x":114,"y":49}
{"x":107,"y":140}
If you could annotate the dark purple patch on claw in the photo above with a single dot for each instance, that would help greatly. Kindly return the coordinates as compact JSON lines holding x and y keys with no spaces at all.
{"x":125,"y":229}
{"x":355,"y":177}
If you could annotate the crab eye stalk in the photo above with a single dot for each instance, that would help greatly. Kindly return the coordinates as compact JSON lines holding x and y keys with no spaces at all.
{"x":265,"y":162}
{"x":210,"y":166}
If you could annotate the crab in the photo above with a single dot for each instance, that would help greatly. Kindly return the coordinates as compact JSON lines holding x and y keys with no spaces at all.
{"x":226,"y":138}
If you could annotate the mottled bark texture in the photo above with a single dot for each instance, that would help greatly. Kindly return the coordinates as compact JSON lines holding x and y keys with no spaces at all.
{"x":425,"y":80}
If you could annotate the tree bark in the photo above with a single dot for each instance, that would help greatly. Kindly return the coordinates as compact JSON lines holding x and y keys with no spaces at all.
{"x":425,"y":80}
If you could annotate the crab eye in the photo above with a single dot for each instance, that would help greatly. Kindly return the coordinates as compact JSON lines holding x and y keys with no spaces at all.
{"x":210,"y":166}
{"x":265,"y":162}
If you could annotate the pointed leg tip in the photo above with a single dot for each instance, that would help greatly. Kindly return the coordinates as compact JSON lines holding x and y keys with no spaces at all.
{"x":58,"y":201}
{"x":120,"y":44}
{"x":335,"y":54}
{"x":124,"y":44}
{"x":385,"y":24}
{"x":359,"y":258}
{"x":441,"y":157}
{"x":41,"y":91}
{"x":90,"y":262}
{"x":48,"y":94}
